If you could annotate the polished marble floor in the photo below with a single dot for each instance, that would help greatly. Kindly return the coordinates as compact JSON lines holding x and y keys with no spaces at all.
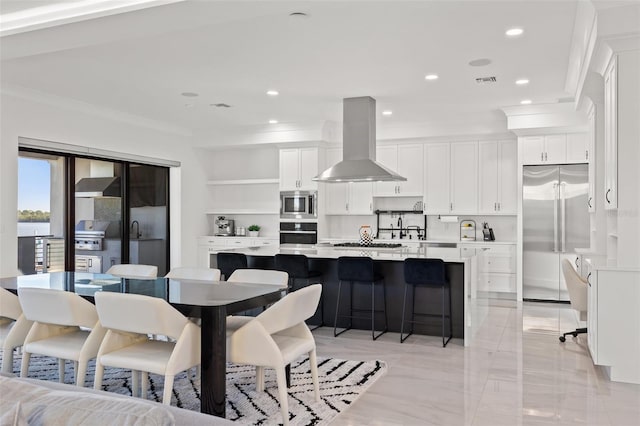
{"x":516,"y":372}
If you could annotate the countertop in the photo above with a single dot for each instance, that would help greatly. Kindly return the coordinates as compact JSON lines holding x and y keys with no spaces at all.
{"x":457,"y":255}
{"x":414,"y":241}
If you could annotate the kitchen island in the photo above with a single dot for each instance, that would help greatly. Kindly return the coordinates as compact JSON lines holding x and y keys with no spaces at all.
{"x":460,"y":265}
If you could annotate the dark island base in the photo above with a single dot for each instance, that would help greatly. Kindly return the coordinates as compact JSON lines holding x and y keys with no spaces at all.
{"x":428,"y":300}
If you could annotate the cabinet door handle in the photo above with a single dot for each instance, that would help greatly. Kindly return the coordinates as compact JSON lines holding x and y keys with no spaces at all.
{"x":589,"y":202}
{"x":586,"y":154}
{"x":450,"y":206}
{"x":577,"y":266}
{"x":495,"y":207}
{"x":346,"y":206}
{"x":606,"y":196}
{"x":545,"y":156}
{"x":588,"y":279}
{"x":370,"y":207}
{"x":542,"y":156}
{"x":499,"y":207}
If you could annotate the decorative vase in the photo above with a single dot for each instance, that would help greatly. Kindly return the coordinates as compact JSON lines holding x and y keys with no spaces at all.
{"x":254,"y":233}
{"x":365,"y":235}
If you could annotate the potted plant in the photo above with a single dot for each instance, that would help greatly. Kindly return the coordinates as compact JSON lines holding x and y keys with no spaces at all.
{"x":254,"y":230}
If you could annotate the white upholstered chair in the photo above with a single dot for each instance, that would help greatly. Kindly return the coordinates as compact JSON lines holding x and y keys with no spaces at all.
{"x":134,"y":271}
{"x":14,"y":327}
{"x":578,"y":289}
{"x":129,"y":318}
{"x":277,"y":337}
{"x":200,"y":274}
{"x":56,"y":331}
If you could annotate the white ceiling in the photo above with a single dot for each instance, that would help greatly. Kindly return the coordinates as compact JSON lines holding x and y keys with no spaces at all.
{"x":233,"y":52}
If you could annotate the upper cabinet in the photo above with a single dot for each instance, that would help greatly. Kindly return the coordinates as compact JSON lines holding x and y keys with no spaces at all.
{"x":298,"y":166}
{"x":555,"y":149}
{"x":406,"y":160}
{"x":348,"y":198}
{"x":497,"y":177}
{"x":611,"y":135}
{"x":451,"y":178}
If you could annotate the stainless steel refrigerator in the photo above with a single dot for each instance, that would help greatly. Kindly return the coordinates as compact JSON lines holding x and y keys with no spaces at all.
{"x":555,"y":222}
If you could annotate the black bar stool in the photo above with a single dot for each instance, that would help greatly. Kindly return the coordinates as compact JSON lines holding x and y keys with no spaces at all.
{"x":229,"y":262}
{"x":360,"y":270}
{"x":297,"y":266}
{"x":426,"y":273}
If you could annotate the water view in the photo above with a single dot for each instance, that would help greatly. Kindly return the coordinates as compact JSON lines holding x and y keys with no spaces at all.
{"x":29,"y":229}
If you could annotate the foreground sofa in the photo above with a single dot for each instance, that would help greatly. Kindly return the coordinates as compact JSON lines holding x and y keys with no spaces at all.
{"x":38,"y":402}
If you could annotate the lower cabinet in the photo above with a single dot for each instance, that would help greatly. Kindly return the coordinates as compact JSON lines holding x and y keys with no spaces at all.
{"x":208,"y":246}
{"x":496,"y":267}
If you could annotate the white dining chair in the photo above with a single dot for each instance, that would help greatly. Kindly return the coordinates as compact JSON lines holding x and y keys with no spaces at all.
{"x":277,"y":337}
{"x":127,"y":270}
{"x":14,"y":327}
{"x":65,"y":326}
{"x":129,"y":318}
{"x":199,"y":274}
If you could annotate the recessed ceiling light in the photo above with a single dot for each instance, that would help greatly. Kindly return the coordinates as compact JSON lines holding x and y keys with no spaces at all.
{"x":387,"y":112}
{"x":189,"y":94}
{"x":273,"y":121}
{"x":273,"y":92}
{"x":525,"y":101}
{"x":480,"y":62}
{"x":431,"y":77}
{"x":188,"y":105}
{"x":522,"y":82}
{"x":514,"y":32}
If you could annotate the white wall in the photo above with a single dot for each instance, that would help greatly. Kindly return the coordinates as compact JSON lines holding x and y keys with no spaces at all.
{"x":31,"y":118}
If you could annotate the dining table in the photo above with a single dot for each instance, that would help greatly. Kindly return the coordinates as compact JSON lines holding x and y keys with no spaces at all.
{"x":211,"y":301}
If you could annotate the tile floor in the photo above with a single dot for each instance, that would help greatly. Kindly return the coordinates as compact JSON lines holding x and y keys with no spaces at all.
{"x":516,"y":372}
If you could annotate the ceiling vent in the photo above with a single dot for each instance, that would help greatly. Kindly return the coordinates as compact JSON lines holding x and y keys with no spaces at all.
{"x":221,"y":105}
{"x":484,"y":80}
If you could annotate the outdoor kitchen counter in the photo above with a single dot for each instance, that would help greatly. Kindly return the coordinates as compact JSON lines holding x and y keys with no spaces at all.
{"x":460,"y":266}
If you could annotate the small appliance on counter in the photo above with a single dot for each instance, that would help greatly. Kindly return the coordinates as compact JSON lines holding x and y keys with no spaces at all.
{"x":468,"y":230}
{"x":487,"y":233}
{"x":224,"y":227}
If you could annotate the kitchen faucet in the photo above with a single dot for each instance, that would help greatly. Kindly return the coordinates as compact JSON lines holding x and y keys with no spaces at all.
{"x":402,"y":234}
{"x":137,"y":234}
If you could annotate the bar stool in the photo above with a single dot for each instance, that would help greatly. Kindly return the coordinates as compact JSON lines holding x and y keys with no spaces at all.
{"x":297,"y":266}
{"x":426,"y":273}
{"x":229,"y":262}
{"x":360,"y":270}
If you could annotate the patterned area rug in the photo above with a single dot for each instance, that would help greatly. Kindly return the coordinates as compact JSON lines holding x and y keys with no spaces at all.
{"x":341,"y":383}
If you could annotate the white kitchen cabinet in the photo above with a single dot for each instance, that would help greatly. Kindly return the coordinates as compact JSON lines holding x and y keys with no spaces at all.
{"x":406,"y":160}
{"x":591,"y":146}
{"x":464,"y":178}
{"x":297,"y":168}
{"x":611,"y":135}
{"x":437,"y":163}
{"x":451,"y":178}
{"x":550,"y":149}
{"x":577,"y":148}
{"x":497,"y":177}
{"x":352,"y":198}
{"x":210,"y":246}
{"x":496,"y":267}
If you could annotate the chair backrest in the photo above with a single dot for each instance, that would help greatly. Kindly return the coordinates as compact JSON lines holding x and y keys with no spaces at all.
{"x":260,"y":276}
{"x":229,"y":262}
{"x":9,"y":305}
{"x":355,"y":268}
{"x":296,"y":265}
{"x":577,"y":287}
{"x":294,"y":308}
{"x":201,"y":274}
{"x":424,"y":271}
{"x":58,"y":307}
{"x":133,"y":271}
{"x":136,"y":313}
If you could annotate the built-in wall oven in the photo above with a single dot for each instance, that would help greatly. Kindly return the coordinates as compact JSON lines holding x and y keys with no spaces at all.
{"x":298,"y":232}
{"x":298,"y":204}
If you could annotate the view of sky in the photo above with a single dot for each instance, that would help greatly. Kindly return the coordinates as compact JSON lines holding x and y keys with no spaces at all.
{"x":34,"y":184}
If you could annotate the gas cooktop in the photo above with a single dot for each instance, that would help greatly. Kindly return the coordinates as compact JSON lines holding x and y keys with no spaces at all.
{"x":372,"y":245}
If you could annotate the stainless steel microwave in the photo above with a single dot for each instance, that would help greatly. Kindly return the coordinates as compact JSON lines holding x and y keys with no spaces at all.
{"x":298,"y":204}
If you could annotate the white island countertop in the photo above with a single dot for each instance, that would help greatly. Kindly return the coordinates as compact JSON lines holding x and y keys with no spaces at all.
{"x":324,"y":251}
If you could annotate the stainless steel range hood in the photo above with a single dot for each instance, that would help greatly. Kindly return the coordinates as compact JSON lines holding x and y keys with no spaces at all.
{"x":98,"y":187}
{"x":358,"y":146}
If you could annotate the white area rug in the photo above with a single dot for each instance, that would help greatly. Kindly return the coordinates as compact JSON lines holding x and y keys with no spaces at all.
{"x":341,"y":383}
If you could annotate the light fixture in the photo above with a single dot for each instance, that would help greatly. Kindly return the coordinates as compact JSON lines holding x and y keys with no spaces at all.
{"x":273,"y":121}
{"x":189,"y":94}
{"x":526,"y":102}
{"x":514,"y":32}
{"x":431,"y":77}
{"x":522,"y":82}
{"x":482,"y":62}
{"x":387,"y":112}
{"x":273,"y":92}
